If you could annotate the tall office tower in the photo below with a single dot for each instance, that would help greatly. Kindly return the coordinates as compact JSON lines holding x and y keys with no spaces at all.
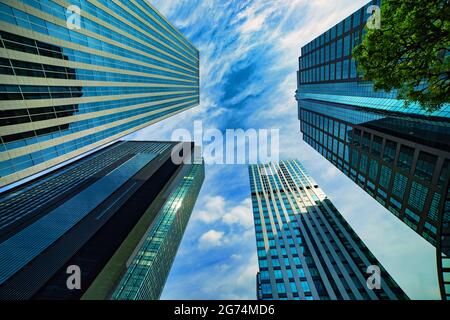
{"x":110,"y":222}
{"x":75,"y":75}
{"x":306,"y":249}
{"x":400,"y":156}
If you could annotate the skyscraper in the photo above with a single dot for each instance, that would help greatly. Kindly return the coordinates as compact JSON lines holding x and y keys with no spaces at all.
{"x":400,"y":156}
{"x":118,"y":215}
{"x":68,"y":87}
{"x":403,"y":163}
{"x":327,"y":72}
{"x":306,"y":249}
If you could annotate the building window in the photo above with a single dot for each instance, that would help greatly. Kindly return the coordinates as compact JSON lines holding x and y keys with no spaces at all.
{"x":399,"y":187}
{"x":385,"y":177}
{"x":412,"y":215}
{"x":365,"y":142}
{"x":355,"y":159}
{"x":278,"y":275}
{"x":338,"y":70}
{"x":430,"y":227}
{"x":293,"y":287}
{"x":373,"y":169}
{"x":340,"y":28}
{"x":417,"y":196}
{"x":289,"y":273}
{"x":389,"y":151}
{"x":301,"y":272}
{"x":345,"y":69}
{"x":332,"y":72}
{"x":261,"y":253}
{"x":333,"y":33}
{"x":263,"y":263}
{"x":382,"y":193}
{"x":281,"y":288}
{"x":353,"y":69}
{"x":425,"y":166}
{"x":348,"y":23}
{"x":264,"y":275}
{"x":305,"y":286}
{"x":363,"y":163}
{"x":347,"y":46}
{"x":356,"y":19}
{"x":333,"y":51}
{"x":405,"y":158}
{"x":339,"y":49}
{"x":376,"y":146}
{"x":275,"y":262}
{"x":434,"y":207}
{"x":266,"y":289}
{"x":396,"y":204}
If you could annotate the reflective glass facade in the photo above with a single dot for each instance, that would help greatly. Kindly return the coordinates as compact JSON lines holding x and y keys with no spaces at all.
{"x":400,"y":156}
{"x":80,"y":215}
{"x":327,"y":71}
{"x":148,"y":270}
{"x":306,"y":249}
{"x":403,"y":163}
{"x":64,"y":92}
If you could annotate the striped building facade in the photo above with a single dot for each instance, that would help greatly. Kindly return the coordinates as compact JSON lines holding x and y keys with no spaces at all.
{"x":306,"y":249}
{"x":65,"y":91}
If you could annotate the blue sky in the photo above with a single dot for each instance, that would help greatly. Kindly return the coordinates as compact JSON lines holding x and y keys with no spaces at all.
{"x":248,"y":59}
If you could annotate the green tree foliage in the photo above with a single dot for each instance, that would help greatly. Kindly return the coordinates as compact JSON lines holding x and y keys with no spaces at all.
{"x":409,"y":52}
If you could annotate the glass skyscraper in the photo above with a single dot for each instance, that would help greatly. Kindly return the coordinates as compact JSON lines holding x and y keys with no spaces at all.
{"x":403,"y":163}
{"x":327,"y":72}
{"x":117,"y":214}
{"x":399,"y":155}
{"x":306,"y":249}
{"x":65,"y":91}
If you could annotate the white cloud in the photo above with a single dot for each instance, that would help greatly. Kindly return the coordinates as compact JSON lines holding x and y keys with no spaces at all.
{"x":240,"y":214}
{"x":216,"y":208}
{"x":212,"y":238}
{"x":213,"y":209}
